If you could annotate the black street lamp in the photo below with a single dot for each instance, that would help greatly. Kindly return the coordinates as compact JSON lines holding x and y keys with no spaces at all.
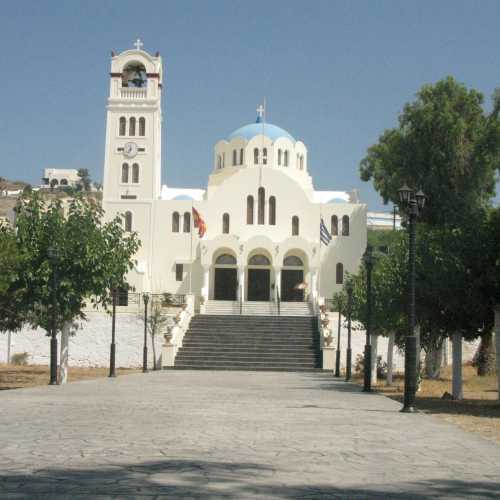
{"x":53,"y":255}
{"x":337,"y":355}
{"x":348,"y":368}
{"x":369,"y":261}
{"x":412,"y":203}
{"x":145,"y":298}
{"x":112,"y":369}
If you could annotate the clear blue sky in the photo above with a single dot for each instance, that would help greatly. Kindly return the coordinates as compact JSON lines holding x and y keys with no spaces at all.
{"x":335,"y":74}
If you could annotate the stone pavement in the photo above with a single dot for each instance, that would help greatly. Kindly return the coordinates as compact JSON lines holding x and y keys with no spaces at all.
{"x":200,"y":434}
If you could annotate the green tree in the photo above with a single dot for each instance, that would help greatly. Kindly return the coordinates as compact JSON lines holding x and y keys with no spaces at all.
{"x":92,"y":258}
{"x":85,"y":181}
{"x":445,"y":144}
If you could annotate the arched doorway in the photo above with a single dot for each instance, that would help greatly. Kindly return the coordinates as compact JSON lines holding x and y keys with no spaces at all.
{"x":225,"y":277}
{"x":259,"y":278}
{"x":292,"y":279}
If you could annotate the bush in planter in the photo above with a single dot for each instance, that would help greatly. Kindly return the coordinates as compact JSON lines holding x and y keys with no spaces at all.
{"x":20,"y":358}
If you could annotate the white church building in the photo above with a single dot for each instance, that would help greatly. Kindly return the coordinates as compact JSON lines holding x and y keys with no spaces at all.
{"x":259,"y":234}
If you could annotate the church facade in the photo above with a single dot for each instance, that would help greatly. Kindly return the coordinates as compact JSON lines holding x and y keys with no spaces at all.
{"x":252,"y":234}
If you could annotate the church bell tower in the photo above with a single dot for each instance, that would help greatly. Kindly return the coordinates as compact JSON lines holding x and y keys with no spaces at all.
{"x":132,"y":163}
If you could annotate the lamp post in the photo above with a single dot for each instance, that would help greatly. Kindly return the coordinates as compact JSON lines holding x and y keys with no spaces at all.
{"x":369,"y":261}
{"x":112,"y":369}
{"x":53,"y":255}
{"x":337,"y":355}
{"x":145,"y":298}
{"x":413,"y":203}
{"x":348,"y":368}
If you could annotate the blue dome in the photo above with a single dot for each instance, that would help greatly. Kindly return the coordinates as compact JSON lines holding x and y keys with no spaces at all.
{"x":253,"y":129}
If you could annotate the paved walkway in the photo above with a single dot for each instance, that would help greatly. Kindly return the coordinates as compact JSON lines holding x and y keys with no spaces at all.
{"x":235,"y":435}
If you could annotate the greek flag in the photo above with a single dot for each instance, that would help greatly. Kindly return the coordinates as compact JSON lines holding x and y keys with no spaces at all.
{"x":324,"y":235}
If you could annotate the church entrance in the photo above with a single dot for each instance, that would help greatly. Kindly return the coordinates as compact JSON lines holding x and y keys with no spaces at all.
{"x":259,"y":278}
{"x":259,"y":284}
{"x":290,"y":280}
{"x":225,"y":278}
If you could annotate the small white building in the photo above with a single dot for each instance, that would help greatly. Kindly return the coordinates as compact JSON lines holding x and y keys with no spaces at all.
{"x":59,"y":177}
{"x":260,"y":208}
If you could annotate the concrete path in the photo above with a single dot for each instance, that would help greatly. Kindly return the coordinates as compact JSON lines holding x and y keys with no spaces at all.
{"x":191,"y":434}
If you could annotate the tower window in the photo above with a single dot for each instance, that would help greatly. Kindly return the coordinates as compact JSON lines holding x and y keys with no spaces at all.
{"x":142,"y":126}
{"x":334,"y":225}
{"x":339,"y":274}
{"x":235,"y":154}
{"x":219,"y":161}
{"x":175,"y":222}
{"x":123,"y":126}
{"x":134,"y":75}
{"x":345,"y":225}
{"x":256,"y":156}
{"x":225,"y":224}
{"x":125,"y":173}
{"x":131,"y":126}
{"x":135,"y":173}
{"x":261,"y":205}
{"x":272,"y":211}
{"x":128,"y":222}
{"x":285,"y":162}
{"x":186,"y":227}
{"x":249,"y":209}
{"x":264,"y":156}
{"x":295,"y":226}
{"x":179,"y":271}
{"x":241,"y":156}
{"x":279,"y":156}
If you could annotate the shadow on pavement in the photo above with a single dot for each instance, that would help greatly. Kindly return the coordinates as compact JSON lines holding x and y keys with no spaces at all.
{"x":205,"y":479}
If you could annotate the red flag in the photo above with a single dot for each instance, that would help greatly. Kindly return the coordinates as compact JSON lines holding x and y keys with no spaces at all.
{"x":199,"y":223}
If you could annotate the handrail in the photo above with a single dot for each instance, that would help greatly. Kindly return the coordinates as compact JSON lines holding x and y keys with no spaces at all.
{"x":278,"y":300}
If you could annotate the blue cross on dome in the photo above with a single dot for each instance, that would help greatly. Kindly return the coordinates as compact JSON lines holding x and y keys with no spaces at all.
{"x":260,"y":114}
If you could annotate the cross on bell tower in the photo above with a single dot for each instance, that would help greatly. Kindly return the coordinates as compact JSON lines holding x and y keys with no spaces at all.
{"x":138,"y":44}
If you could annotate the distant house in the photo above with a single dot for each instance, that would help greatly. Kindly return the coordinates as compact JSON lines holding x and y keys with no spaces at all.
{"x":383,"y":221}
{"x":59,"y":177}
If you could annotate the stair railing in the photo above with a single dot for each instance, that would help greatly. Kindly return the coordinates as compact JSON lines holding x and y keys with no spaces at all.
{"x":278,"y":300}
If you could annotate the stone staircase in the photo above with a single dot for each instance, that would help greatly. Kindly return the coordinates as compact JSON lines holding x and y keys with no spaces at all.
{"x":255,"y":308}
{"x":274,"y":343}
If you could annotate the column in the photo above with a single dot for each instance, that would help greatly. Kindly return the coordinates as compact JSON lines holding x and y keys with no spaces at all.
{"x":313,"y":284}
{"x":241,"y":283}
{"x":206,"y":282}
{"x":277,"y":282}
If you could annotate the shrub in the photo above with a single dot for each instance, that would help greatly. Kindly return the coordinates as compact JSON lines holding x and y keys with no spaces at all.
{"x":20,"y":358}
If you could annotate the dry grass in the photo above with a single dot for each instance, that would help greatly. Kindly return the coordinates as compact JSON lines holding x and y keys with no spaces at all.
{"x":478,"y":412}
{"x":17,"y":377}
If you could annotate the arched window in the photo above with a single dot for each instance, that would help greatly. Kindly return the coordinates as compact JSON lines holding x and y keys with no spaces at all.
{"x":272,"y":211}
{"x":64,"y":182}
{"x":259,"y":260}
{"x":345,"y":225}
{"x":123,"y":125}
{"x":334,"y":226}
{"x":264,"y":156}
{"x":175,"y":222}
{"x":142,"y":126}
{"x":131,"y":126}
{"x":256,"y":156}
{"x":235,"y":154}
{"x":241,"y":156}
{"x":226,"y":259}
{"x":301,"y":162}
{"x":293,"y":260}
{"x":125,"y":173}
{"x":225,"y":224}
{"x":285,"y":162}
{"x":279,"y":156}
{"x":295,"y":226}
{"x":186,"y":226}
{"x":249,"y":209}
{"x":223,"y":160}
{"x":135,"y":173}
{"x":339,"y":274}
{"x":219,"y":161}
{"x":128,"y":222}
{"x":261,"y":205}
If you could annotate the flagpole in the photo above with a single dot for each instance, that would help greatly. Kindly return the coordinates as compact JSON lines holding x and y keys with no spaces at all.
{"x":319,"y":256}
{"x":191,"y":248}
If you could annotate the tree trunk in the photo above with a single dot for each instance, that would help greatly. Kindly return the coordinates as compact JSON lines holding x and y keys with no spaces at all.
{"x":390,"y":353}
{"x":434,"y":361}
{"x":456,"y":386}
{"x":154,"y":351}
{"x":497,"y":344}
{"x":485,"y":355}
{"x":374,"y":342}
{"x":446,"y":352}
{"x":63,"y":366}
